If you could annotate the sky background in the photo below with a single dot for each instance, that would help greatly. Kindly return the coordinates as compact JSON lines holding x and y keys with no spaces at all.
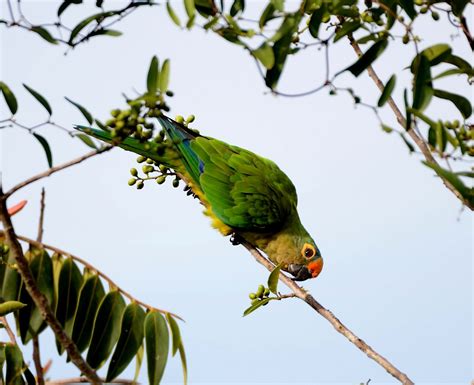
{"x":397,"y":248}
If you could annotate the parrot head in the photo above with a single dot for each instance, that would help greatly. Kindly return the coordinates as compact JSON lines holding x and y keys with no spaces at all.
{"x":308,"y":263}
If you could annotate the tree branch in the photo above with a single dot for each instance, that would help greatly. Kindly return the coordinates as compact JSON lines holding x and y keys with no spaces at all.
{"x":75,"y":380}
{"x":333,"y":320}
{"x":55,"y":169}
{"x":39,"y":299}
{"x":411,"y":132}
{"x":11,"y":335}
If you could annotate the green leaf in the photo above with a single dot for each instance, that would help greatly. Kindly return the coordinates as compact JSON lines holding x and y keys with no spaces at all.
{"x":138,"y":365}
{"x":287,"y":27}
{"x":11,"y":281}
{"x":460,"y":63}
{"x":190,"y":8}
{"x":367,"y":58}
{"x":315,"y":20}
{"x":387,"y":91}
{"x":184,"y":365}
{"x":86,"y":139}
{"x":462,"y":104}
{"x":10,"y":307}
{"x":175,"y":333}
{"x":387,"y":129}
{"x":157,"y":346}
{"x":423,"y":88}
{"x":84,"y":23}
{"x":409,"y":7}
{"x":273,"y":279}
{"x":106,"y":329}
{"x":450,"y":72}
{"x":39,"y":98}
{"x":84,"y":112}
{"x":130,"y":340}
{"x":255,"y":306}
{"x":237,"y":6}
{"x":14,"y":361}
{"x":458,"y":6}
{"x":267,"y":14}
{"x":152,"y":77}
{"x":346,"y":28}
{"x":172,"y":14}
{"x":69,"y":286}
{"x":107,"y":32}
{"x":410,"y":146}
{"x":2,"y":361}
{"x":44,"y":33}
{"x":9,"y":98}
{"x":264,"y":53}
{"x":65,"y":4}
{"x":437,"y":53}
{"x":164,"y":76}
{"x":90,"y":297}
{"x":47,"y":150}
{"x":454,"y":180}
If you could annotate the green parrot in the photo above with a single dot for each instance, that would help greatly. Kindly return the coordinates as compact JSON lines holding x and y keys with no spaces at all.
{"x":244,"y":194}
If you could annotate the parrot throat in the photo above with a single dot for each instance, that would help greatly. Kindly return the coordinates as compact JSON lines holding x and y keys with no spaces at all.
{"x":283,"y":246}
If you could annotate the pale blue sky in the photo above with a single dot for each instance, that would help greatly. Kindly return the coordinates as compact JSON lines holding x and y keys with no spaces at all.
{"x":398,"y":252}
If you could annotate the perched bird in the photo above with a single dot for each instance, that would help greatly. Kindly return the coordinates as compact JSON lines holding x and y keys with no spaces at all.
{"x":243,"y":194}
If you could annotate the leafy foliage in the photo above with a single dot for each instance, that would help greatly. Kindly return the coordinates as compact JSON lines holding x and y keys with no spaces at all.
{"x":99,"y":322}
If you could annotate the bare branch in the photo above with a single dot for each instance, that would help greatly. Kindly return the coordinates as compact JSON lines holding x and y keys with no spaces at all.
{"x":55,"y":169}
{"x":333,"y":320}
{"x":75,"y":380}
{"x":411,"y":132}
{"x":39,"y":237}
{"x":11,"y":335}
{"x":39,"y":298}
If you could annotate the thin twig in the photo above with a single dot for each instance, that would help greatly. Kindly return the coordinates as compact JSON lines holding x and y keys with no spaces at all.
{"x":11,"y":335}
{"x":36,"y":346}
{"x":94,"y":269}
{"x":39,"y":298}
{"x":74,"y":380}
{"x":55,"y":169}
{"x":328,"y":315}
{"x":411,"y":132}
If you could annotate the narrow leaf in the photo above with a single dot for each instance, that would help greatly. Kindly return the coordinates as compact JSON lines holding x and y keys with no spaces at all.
{"x":84,"y":23}
{"x":175,"y":333}
{"x":86,"y":139}
{"x":266,"y":15}
{"x":130,"y":340}
{"x":265,"y":54}
{"x":14,"y":361}
{"x":157,"y":346}
{"x":152,"y":77}
{"x":190,"y":8}
{"x":423,"y":88}
{"x":453,"y":179}
{"x":90,"y":297}
{"x":237,"y":6}
{"x":47,"y":150}
{"x":409,"y":7}
{"x":44,"y":33}
{"x":184,"y":364}
{"x":40,"y":98}
{"x":367,"y":58}
{"x":410,"y":146}
{"x":256,"y":306}
{"x":273,"y":279}
{"x":106,"y":329}
{"x":84,"y":112}
{"x":346,"y":28}
{"x":387,"y":91}
{"x":10,"y":307}
{"x":462,"y":104}
{"x":164,"y":76}
{"x":172,"y":14}
{"x":9,"y":98}
{"x":138,"y":365}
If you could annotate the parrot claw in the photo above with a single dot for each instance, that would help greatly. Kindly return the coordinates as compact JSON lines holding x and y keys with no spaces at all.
{"x":235,"y":239}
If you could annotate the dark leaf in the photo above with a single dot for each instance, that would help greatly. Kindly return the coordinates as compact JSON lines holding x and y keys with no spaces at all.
{"x":40,"y":98}
{"x":130,"y":340}
{"x":175,"y":333}
{"x":345,"y":29}
{"x":367,"y":58}
{"x":273,"y":279}
{"x":90,"y":297}
{"x":107,"y":32}
{"x":409,"y":7}
{"x":316,"y":19}
{"x":84,"y":23}
{"x":9,"y":98}
{"x":44,"y":33}
{"x":84,"y":112}
{"x":14,"y":361}
{"x":152,"y":77}
{"x":267,"y":15}
{"x":458,"y":6}
{"x":66,"y":4}
{"x":423,"y":88}
{"x":255,"y":306}
{"x":47,"y":150}
{"x":410,"y":146}
{"x":462,"y":104}
{"x":157,"y":346}
{"x":387,"y":91}
{"x":106,"y":329}
{"x":237,"y":6}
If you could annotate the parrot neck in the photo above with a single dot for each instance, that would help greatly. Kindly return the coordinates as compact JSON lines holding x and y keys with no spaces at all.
{"x":282,"y":246}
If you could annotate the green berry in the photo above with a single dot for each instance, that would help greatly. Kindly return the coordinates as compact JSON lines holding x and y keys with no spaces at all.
{"x":147,"y":169}
{"x":140,"y":185}
{"x":161,"y":179}
{"x":169,"y":93}
{"x":132,"y":181}
{"x":435,"y":16}
{"x":176,"y":182}
{"x":133,"y":171}
{"x":266,"y":293}
{"x":190,"y":119}
{"x":252,"y":295}
{"x":163,"y":168}
{"x":150,"y":161}
{"x":456,"y":123}
{"x":260,"y":291}
{"x":179,"y":119}
{"x":424,"y":9}
{"x":141,"y":159}
{"x":115,"y":112}
{"x":405,"y":39}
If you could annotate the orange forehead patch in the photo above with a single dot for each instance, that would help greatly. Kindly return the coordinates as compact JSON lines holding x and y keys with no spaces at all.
{"x":315,"y":267}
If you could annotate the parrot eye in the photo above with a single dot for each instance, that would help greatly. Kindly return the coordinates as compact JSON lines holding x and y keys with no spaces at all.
{"x":308,"y":251}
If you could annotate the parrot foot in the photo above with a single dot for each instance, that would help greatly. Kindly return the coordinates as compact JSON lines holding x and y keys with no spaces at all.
{"x":235,"y":239}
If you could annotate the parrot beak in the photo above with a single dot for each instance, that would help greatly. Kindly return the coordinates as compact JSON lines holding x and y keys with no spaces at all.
{"x":300,"y":272}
